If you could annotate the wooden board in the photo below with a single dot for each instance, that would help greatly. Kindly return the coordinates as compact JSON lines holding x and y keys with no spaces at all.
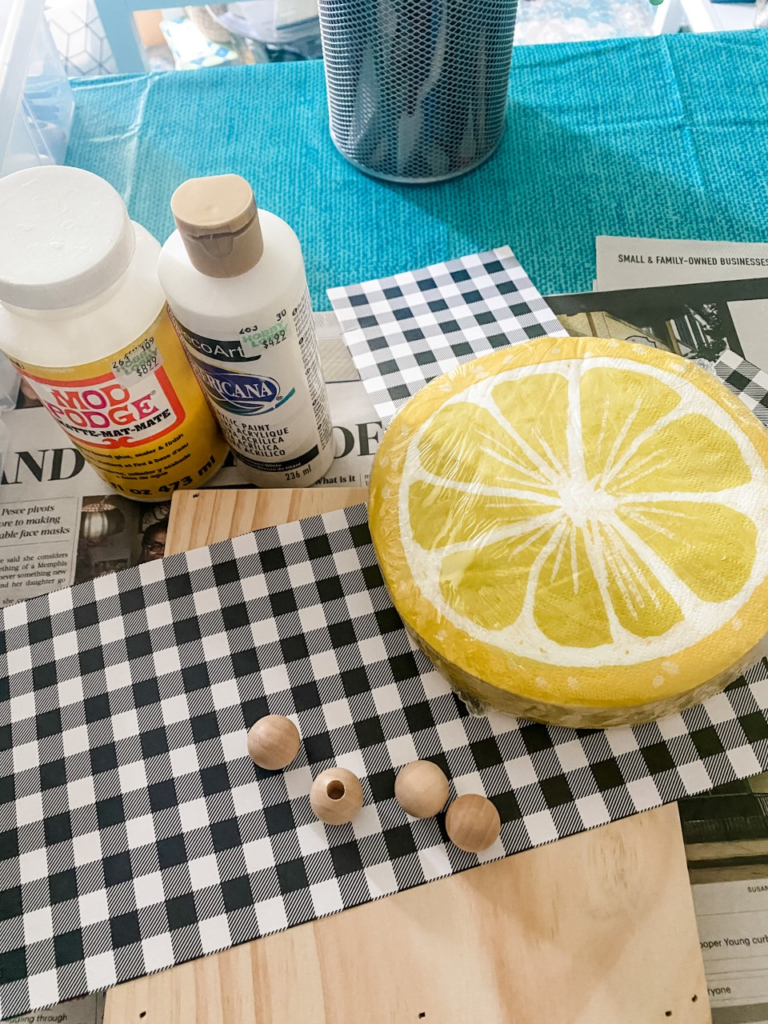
{"x":594,"y":929}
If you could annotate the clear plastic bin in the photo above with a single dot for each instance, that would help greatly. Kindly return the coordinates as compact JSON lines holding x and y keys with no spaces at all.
{"x":36,"y":102}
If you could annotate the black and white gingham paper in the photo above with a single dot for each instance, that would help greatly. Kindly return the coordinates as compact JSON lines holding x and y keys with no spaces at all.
{"x":135,"y":832}
{"x":404,"y":330}
{"x":746,"y":381}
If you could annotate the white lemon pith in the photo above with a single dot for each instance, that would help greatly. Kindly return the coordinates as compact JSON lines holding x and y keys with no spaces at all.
{"x":577,"y":529}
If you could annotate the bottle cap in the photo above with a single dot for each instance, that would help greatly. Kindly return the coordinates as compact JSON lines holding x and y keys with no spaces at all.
{"x":218,"y":222}
{"x":65,"y":237}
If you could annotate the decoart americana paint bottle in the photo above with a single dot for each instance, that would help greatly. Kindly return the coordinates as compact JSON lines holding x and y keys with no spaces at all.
{"x":237,"y":291}
{"x":83,"y":318}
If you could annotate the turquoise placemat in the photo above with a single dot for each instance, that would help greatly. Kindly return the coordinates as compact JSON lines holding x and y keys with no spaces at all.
{"x":662,"y":137}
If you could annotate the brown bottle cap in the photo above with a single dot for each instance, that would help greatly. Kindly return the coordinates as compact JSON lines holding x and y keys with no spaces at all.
{"x":218,"y":221}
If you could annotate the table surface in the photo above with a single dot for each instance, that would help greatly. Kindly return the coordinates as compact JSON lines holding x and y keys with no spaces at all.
{"x":596,"y":927}
{"x":662,"y":137}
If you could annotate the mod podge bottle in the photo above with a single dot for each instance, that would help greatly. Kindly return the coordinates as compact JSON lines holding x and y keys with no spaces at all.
{"x":84,"y":319}
{"x":235,"y":282}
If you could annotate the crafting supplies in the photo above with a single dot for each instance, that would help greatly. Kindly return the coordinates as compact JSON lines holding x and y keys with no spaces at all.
{"x":83,"y":319}
{"x":404,"y":330}
{"x":235,"y":282}
{"x":576,"y":530}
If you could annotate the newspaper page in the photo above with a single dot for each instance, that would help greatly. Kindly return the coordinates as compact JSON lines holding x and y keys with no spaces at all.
{"x":652,"y":262}
{"x":60,"y":524}
{"x":725,"y":830}
{"x":83,"y":1010}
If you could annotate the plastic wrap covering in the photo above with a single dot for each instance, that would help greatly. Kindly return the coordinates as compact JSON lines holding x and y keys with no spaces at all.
{"x":575,"y":530}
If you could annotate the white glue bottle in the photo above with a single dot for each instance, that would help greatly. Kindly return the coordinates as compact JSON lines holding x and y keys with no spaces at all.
{"x":235,"y":282}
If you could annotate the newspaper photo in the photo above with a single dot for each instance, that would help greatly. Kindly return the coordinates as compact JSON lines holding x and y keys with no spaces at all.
{"x":698,"y":321}
{"x":652,"y":262}
{"x":726,"y":830}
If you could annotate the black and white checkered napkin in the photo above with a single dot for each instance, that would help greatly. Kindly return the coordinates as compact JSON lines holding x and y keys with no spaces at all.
{"x":404,"y":330}
{"x":135,"y":832}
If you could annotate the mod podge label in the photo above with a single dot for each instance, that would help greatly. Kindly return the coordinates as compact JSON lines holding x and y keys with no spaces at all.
{"x":103,"y":413}
{"x":138,"y":416}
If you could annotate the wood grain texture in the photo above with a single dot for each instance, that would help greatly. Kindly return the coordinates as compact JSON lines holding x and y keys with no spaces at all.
{"x":595,"y":929}
{"x":203,"y":517}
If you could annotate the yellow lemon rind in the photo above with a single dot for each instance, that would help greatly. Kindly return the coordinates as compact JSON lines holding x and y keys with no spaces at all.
{"x":483,"y":697}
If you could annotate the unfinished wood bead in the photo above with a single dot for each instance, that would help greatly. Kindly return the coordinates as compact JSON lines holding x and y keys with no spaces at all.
{"x":273,"y":742}
{"x":472,"y":823}
{"x":336,"y":796}
{"x":421,"y":789}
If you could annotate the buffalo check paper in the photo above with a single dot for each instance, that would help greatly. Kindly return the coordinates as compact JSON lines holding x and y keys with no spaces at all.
{"x":404,"y":330}
{"x":746,"y":381}
{"x":135,"y":832}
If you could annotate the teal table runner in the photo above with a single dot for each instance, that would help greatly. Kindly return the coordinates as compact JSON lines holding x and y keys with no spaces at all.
{"x":663,"y":137}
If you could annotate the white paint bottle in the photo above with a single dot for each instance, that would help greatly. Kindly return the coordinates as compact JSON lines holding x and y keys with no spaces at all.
{"x":235,"y":282}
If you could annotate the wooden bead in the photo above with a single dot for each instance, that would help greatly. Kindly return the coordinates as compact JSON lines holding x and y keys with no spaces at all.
{"x":273,"y":742}
{"x":421,"y":789}
{"x":336,"y":796}
{"x":472,"y":823}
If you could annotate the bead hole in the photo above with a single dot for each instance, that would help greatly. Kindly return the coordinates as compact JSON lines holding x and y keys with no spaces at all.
{"x":335,"y":789}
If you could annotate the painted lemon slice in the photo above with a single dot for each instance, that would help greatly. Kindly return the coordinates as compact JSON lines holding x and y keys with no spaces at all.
{"x":576,"y":530}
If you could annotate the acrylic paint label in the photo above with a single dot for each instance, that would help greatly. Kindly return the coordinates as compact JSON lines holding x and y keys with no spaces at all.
{"x":137,"y":416}
{"x":267,"y":390}
{"x":240,"y":393}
